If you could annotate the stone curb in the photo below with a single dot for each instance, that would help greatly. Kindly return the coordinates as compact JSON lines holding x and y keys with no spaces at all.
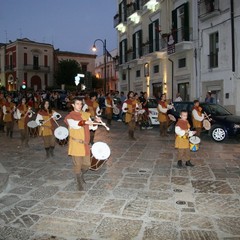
{"x":3,"y":178}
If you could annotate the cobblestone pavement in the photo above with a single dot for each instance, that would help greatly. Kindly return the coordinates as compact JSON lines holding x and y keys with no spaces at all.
{"x":138,"y":194}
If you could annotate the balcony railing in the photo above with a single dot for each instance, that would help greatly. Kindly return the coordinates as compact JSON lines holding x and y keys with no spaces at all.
{"x":143,"y":2}
{"x":182,"y":34}
{"x":208,"y":8}
{"x":9,"y":68}
{"x":31,"y":67}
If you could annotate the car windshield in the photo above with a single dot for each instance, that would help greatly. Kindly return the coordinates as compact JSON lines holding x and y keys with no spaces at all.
{"x":216,"y":110}
{"x":152,"y":103}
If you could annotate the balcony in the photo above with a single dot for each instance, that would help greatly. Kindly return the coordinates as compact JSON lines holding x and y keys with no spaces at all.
{"x":208,"y":9}
{"x":38,"y":68}
{"x":9,"y":68}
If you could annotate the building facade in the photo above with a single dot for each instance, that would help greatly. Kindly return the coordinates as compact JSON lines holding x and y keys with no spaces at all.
{"x":179,"y":46}
{"x":112,"y":83}
{"x":26,"y":61}
{"x":218,"y":48}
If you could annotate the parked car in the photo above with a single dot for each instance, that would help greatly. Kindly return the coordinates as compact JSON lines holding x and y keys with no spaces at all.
{"x":223,"y":124}
{"x":153,"y":112}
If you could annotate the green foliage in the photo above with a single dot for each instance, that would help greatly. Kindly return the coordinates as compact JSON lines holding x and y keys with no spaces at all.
{"x":66,"y":72}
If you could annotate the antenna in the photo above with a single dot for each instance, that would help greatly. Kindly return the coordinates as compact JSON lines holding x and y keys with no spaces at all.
{"x":20,"y":33}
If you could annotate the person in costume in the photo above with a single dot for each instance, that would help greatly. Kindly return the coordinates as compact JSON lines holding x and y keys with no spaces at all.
{"x":8,"y":111}
{"x":182,"y":130}
{"x":23,"y":114}
{"x":2,"y":102}
{"x":92,"y":106}
{"x":197,"y":117}
{"x":47,"y":125}
{"x":109,"y":108}
{"x":162,"y":108}
{"x":130,"y":107}
{"x":78,"y":123}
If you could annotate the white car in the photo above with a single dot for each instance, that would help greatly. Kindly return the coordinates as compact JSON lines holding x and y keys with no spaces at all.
{"x":153,"y":112}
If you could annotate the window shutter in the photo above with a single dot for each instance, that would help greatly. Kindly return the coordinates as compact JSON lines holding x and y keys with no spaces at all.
{"x":134,"y":45}
{"x":120,"y":53}
{"x":156,"y":25}
{"x":186,"y":22}
{"x":125,"y":10}
{"x":125,"y":50}
{"x":174,"y":25}
{"x":140,"y":43}
{"x":150,"y":32}
{"x":120,"y":13}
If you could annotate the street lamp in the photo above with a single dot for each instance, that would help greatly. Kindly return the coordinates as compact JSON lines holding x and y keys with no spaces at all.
{"x":94,"y":49}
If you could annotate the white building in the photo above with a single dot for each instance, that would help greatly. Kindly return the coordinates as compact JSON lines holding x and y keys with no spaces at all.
{"x":172,"y":46}
{"x":219,"y":42}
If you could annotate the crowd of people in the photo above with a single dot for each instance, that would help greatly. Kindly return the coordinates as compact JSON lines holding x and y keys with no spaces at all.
{"x":84,"y":114}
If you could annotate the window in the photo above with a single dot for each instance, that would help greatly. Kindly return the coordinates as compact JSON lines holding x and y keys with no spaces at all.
{"x":181,"y":62}
{"x":138,"y":73}
{"x":123,"y":51}
{"x":84,"y":68}
{"x":35,"y":62}
{"x":183,"y":89}
{"x":10,"y":61}
{"x":153,"y":32}
{"x":180,"y":23}
{"x":124,"y":76}
{"x":25,"y":59}
{"x":45,"y":60}
{"x":213,"y":50}
{"x":122,"y":8}
{"x":156,"y":69}
{"x":137,"y":44}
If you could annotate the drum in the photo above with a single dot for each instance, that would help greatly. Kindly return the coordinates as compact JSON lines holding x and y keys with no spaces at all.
{"x":206,"y":124}
{"x":61,"y":134}
{"x":194,"y":143}
{"x":33,"y":128}
{"x":116,"y":110}
{"x":100,"y":154}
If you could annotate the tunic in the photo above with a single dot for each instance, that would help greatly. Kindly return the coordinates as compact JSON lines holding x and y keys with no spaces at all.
{"x":182,"y":140}
{"x":79,"y":136}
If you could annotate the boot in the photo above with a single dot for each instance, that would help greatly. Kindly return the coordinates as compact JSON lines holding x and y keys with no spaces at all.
{"x":47,"y":152}
{"x":179,"y":164}
{"x":8,"y":131}
{"x":189,"y":164}
{"x":51,"y":151}
{"x":80,"y":181}
{"x":11,"y":134}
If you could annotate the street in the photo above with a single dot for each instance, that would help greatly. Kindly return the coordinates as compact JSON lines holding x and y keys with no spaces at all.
{"x":138,"y":194}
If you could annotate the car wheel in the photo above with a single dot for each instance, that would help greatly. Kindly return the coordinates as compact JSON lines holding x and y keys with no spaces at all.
{"x":218,"y":133}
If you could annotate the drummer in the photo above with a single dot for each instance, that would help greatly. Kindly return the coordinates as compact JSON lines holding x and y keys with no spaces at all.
{"x":46,"y":122}
{"x":79,"y":136}
{"x":197,"y":117}
{"x":182,"y":130}
{"x":109,"y":108}
{"x":92,"y":106}
{"x":23,"y":114}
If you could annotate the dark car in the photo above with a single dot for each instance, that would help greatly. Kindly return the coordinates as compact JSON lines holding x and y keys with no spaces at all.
{"x":223,"y":123}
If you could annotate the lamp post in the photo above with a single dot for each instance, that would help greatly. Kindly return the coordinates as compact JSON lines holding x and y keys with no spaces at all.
{"x":94,"y":49}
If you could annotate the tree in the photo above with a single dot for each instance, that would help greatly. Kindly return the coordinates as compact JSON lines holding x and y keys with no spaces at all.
{"x":66,"y":72}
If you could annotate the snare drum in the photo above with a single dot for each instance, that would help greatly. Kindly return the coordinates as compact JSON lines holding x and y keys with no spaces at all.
{"x":61,"y":134}
{"x":194,"y":143}
{"x":206,"y":124}
{"x":100,"y":154}
{"x":33,"y":128}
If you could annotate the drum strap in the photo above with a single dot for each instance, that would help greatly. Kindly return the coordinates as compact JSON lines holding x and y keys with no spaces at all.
{"x":80,"y":141}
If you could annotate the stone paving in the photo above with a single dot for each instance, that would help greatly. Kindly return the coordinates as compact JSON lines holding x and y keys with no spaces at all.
{"x":138,"y":194}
